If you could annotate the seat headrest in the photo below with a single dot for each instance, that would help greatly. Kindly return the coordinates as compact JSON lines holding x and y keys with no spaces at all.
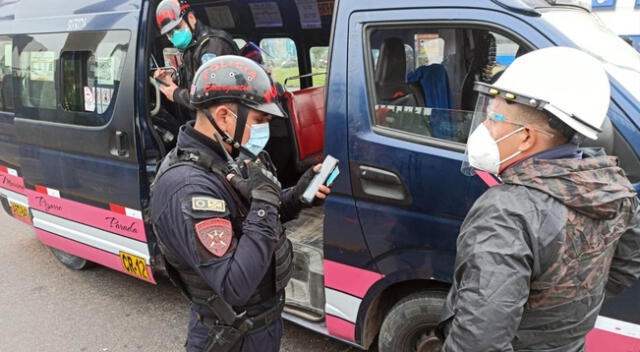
{"x":392,"y":62}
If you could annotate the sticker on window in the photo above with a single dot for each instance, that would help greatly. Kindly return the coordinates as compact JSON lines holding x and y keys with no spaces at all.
{"x":89,"y":99}
{"x":266,"y":14}
{"x":105,"y":71}
{"x":309,"y":14}
{"x":326,"y":7}
{"x":41,"y":66}
{"x":103,"y":99}
{"x":221,"y":16}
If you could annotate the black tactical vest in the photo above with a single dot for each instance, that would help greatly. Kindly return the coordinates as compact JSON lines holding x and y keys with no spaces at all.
{"x":193,"y":54}
{"x":186,"y":279}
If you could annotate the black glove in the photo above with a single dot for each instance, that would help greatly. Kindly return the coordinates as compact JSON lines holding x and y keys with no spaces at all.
{"x":260,"y":184}
{"x":302,"y":185}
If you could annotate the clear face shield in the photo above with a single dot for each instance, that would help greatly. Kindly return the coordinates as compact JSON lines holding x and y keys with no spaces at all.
{"x":491,"y":110}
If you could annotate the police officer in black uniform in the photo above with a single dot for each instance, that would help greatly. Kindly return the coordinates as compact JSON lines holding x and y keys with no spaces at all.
{"x":217,"y":209}
{"x":198,"y":43}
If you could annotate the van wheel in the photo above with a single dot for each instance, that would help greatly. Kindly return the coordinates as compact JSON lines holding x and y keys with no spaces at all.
{"x":410,"y":325}
{"x":70,"y":260}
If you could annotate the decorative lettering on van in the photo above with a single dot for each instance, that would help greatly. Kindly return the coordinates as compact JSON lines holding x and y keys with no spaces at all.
{"x":114,"y":223}
{"x":42,"y":202}
{"x":4,"y":180}
{"x":75,"y":24}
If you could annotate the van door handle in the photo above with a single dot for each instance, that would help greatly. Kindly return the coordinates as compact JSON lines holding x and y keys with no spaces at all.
{"x":380,"y":183}
{"x":120,"y":144}
{"x":377,"y":175}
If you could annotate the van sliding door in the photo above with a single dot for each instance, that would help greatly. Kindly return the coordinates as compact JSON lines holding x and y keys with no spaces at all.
{"x":75,"y":123}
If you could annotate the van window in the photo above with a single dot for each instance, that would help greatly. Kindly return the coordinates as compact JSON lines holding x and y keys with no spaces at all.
{"x":319,"y":64}
{"x":421,"y":79}
{"x":281,"y":59}
{"x":6,"y":83}
{"x":70,"y":78}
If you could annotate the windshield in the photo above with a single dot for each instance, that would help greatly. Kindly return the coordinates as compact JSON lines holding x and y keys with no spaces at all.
{"x":591,"y":35}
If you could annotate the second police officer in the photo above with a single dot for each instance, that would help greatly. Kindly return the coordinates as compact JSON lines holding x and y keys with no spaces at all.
{"x":196,"y":41}
{"x":218,"y":221}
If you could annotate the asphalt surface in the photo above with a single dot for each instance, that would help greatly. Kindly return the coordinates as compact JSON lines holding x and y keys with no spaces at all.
{"x":44,"y":306}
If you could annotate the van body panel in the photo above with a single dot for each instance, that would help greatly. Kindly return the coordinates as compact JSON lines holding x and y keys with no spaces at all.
{"x":390,"y":229}
{"x":83,"y":180}
{"x":343,"y":241}
{"x":414,"y":237}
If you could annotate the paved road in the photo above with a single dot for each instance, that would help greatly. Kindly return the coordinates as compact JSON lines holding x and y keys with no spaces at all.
{"x":46,"y":307}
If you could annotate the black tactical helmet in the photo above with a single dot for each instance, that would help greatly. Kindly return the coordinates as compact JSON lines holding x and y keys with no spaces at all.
{"x":170,"y":13}
{"x":235,"y":79}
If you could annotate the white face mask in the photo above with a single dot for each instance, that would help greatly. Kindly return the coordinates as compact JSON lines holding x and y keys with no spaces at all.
{"x":483,"y":152}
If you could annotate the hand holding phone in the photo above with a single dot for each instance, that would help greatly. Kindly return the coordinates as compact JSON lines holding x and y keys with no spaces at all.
{"x":327,"y":174}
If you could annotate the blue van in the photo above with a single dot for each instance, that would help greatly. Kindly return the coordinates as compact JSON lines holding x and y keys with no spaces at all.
{"x":385,"y":87}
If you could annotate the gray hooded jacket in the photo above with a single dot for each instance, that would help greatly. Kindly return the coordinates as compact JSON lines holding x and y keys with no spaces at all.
{"x":536,"y":253}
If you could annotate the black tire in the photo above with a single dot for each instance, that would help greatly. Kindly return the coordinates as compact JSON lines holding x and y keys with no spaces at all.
{"x":410,"y":324}
{"x":70,"y":260}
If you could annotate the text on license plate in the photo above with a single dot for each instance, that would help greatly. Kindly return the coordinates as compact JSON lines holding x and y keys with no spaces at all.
{"x":134,"y":265}
{"x":19,"y":210}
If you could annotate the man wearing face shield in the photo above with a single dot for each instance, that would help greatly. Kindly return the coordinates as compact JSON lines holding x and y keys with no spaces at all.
{"x":217,"y":208}
{"x":537,"y":254}
{"x":198,"y":44}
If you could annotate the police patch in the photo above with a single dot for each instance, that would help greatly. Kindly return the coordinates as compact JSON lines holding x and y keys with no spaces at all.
{"x":215,"y":235}
{"x":208,"y":204}
{"x":206,"y":57}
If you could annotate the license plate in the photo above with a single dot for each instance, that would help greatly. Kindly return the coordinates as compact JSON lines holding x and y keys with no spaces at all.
{"x":19,"y":210}
{"x":135,"y":266}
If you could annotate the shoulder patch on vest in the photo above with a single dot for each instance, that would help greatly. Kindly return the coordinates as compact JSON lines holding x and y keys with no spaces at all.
{"x":208,"y":204}
{"x":215,"y":235}
{"x":206,"y":57}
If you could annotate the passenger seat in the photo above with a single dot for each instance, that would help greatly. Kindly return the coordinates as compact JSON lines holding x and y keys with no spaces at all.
{"x":390,"y":76}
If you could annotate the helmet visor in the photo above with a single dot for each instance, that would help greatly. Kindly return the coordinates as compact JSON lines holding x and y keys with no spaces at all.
{"x":491,"y":109}
{"x":272,"y":109}
{"x":480,"y":114}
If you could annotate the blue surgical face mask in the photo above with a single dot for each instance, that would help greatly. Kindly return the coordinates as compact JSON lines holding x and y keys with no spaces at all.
{"x":258,"y":138}
{"x":181,"y":38}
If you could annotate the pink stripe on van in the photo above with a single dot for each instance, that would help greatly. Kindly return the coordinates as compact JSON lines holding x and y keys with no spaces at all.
{"x":12,"y":183}
{"x":80,"y":250}
{"x":601,"y":340}
{"x":89,"y":215}
{"x":349,"y":279}
{"x":487,"y":178}
{"x":341,"y":328}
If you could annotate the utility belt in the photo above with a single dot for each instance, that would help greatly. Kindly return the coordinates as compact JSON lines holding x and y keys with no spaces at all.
{"x":226,"y":335}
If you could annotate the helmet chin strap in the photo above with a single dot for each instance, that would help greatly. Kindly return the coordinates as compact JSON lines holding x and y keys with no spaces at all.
{"x":185,"y":18}
{"x":236,"y":142}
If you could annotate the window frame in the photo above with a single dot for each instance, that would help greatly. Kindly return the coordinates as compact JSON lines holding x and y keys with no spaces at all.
{"x":61,"y":95}
{"x":412,"y":25}
{"x":10,"y":75}
{"x":326,"y":68}
{"x":297,"y":57}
